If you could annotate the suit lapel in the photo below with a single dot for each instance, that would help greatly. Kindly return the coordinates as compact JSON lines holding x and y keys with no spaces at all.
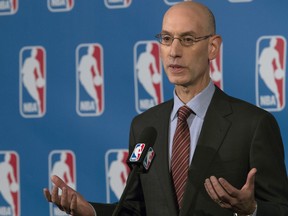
{"x":213,"y":131}
{"x":161,"y":149}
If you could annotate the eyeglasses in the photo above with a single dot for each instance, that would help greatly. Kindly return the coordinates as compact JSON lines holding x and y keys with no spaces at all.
{"x":187,"y":40}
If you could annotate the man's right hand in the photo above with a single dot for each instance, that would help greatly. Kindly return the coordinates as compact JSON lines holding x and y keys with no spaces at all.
{"x":69,"y":201}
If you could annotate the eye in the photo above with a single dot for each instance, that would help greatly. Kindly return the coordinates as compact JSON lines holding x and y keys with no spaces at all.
{"x":188,"y":39}
{"x":166,"y":38}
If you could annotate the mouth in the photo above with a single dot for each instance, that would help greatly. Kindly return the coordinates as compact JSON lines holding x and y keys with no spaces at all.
{"x":175,"y":68}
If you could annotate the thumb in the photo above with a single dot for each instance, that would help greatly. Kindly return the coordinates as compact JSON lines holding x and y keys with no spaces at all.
{"x":250,"y":179}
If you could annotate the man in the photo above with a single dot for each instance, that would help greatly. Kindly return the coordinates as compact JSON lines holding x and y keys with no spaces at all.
{"x":233,"y":139}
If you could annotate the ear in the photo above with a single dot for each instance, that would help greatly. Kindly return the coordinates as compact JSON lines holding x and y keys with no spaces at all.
{"x":214,"y":46}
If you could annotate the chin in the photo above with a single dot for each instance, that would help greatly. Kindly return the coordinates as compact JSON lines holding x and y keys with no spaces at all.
{"x":178,"y":82}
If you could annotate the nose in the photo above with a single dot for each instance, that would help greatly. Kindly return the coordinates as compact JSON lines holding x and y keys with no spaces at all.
{"x":175,"y":48}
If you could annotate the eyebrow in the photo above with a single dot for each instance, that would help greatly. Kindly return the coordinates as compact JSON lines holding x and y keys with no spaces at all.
{"x":181,"y":34}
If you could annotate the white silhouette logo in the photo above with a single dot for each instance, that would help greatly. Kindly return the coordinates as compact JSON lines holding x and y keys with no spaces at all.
{"x":61,"y":169}
{"x":90,"y":79}
{"x":60,"y":5}
{"x":216,"y":72}
{"x":116,"y":173}
{"x":62,"y":164}
{"x":145,"y":60}
{"x":172,"y":2}
{"x":9,"y":184}
{"x":271,"y":70}
{"x":148,"y":75}
{"x":8,"y":7}
{"x":32,"y":76}
{"x":240,"y":1}
{"x":115,"y":4}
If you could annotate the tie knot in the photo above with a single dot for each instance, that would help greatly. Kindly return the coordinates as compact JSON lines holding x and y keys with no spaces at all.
{"x":184,"y":112}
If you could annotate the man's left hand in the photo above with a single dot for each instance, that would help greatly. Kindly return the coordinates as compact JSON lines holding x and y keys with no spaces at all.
{"x":240,"y":201}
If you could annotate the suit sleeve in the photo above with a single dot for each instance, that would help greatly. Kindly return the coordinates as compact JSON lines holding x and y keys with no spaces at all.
{"x":267,"y":155}
{"x":102,"y":209}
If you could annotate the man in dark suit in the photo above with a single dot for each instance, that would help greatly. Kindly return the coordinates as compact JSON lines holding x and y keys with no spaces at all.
{"x":235,"y":149}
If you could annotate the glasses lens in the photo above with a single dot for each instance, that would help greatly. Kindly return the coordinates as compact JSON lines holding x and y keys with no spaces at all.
{"x":187,"y":40}
{"x":164,"y":39}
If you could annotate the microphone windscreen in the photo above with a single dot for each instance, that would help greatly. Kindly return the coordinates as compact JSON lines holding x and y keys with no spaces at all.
{"x":143,"y":146}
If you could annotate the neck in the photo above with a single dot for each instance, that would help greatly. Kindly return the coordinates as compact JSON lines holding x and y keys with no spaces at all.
{"x":186,"y":93}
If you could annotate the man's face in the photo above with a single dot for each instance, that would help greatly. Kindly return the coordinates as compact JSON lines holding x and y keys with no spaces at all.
{"x":186,"y":66}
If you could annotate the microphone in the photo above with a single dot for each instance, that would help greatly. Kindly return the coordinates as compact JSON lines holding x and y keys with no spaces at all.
{"x":139,"y":161}
{"x":143,"y":153}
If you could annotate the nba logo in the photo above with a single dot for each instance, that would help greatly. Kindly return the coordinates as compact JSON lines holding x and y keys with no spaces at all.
{"x":8,"y":7}
{"x":62,"y":164}
{"x":9,"y":183}
{"x":147,"y":75}
{"x":240,"y":1}
{"x":89,"y":76}
{"x":216,"y":72}
{"x":172,"y":2}
{"x":270,"y":72}
{"x":117,"y":172}
{"x":32,"y":85}
{"x":60,"y":5}
{"x":113,"y":4}
{"x":148,"y":159}
{"x":137,"y":152}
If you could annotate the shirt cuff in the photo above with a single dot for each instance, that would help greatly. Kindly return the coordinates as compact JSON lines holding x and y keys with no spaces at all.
{"x":254,"y":213}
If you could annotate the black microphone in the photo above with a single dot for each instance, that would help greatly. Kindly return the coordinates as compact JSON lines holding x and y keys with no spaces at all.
{"x":143,"y":153}
{"x":139,"y":160}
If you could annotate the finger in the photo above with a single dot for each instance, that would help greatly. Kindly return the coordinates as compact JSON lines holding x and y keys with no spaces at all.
{"x":74,"y":204}
{"x":219,"y":190}
{"x":230,"y":190}
{"x":65,"y":203}
{"x":58,"y":182}
{"x":55,"y":196}
{"x":210,"y":190}
{"x":47,"y":194}
{"x":224,"y":193}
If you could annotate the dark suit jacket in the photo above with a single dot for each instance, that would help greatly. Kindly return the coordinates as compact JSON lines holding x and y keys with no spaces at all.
{"x":235,"y":137}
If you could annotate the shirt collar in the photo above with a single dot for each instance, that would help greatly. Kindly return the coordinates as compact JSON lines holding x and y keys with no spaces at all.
{"x":199,"y":104}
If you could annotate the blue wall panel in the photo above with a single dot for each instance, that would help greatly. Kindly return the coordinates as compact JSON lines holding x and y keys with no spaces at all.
{"x":33,"y":141}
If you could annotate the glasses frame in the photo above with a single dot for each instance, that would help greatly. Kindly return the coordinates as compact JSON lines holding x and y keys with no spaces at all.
{"x":196,"y":39}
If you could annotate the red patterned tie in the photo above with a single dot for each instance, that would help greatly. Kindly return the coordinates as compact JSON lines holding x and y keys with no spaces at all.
{"x":180,"y":153}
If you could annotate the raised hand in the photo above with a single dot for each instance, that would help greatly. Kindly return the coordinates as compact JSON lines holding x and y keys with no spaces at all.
{"x":240,"y":201}
{"x":69,"y":201}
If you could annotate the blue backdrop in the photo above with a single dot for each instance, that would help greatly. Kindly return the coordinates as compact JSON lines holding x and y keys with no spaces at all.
{"x":71,"y":80}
